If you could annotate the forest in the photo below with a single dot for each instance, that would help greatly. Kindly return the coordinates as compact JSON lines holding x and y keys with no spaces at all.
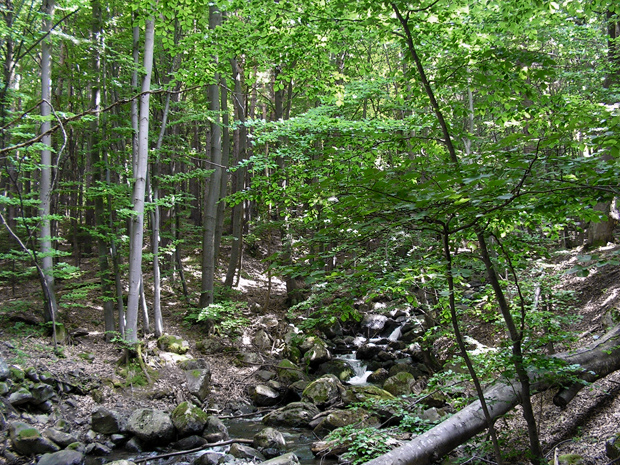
{"x":451,"y":164}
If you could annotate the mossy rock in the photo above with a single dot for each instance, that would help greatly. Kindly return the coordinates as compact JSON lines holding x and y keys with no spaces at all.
{"x":358,"y":394}
{"x":17,"y":374}
{"x":571,"y":459}
{"x":324,"y":392}
{"x":289,"y":373}
{"x":188,"y":419}
{"x":399,"y":384}
{"x":172,"y":344}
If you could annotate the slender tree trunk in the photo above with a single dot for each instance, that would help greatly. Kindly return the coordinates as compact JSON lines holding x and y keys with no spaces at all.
{"x":139,"y":190}
{"x":213,"y":187}
{"x":239,"y":153}
{"x":516,"y":337}
{"x":45,"y":234}
{"x":224,"y":177}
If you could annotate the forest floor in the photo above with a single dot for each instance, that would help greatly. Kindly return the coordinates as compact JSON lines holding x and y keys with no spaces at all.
{"x":583,"y":427}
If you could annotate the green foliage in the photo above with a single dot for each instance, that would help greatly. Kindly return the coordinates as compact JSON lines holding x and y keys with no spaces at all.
{"x":362,"y":444}
{"x":228,"y":318}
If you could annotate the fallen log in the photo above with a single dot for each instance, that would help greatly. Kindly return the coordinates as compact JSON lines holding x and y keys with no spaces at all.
{"x":591,"y":363}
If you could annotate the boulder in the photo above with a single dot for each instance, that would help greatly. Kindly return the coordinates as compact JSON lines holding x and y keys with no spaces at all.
{"x":269,"y":442}
{"x":215,"y":430}
{"x":188,"y":419}
{"x":367,"y":352}
{"x":59,"y":437}
{"x":369,"y":393}
{"x":296,"y":415}
{"x":339,"y":418}
{"x":21,"y":396}
{"x":190,"y":442}
{"x":241,"y":451}
{"x":198,"y":377}
{"x":612,"y":447}
{"x":339,"y":368}
{"x":41,"y":393}
{"x":4,"y":370}
{"x":27,"y":440}
{"x":151,"y":426}
{"x":174,"y":344}
{"x":316,"y":353}
{"x":289,"y":373}
{"x":324,"y":392}
{"x":286,"y":459}
{"x":63,"y":457}
{"x":107,"y":421}
{"x":97,"y":449}
{"x":265,"y":396}
{"x":374,"y":322}
{"x":378,"y":376}
{"x":399,"y":384}
{"x":210,"y":458}
{"x":262,"y":340}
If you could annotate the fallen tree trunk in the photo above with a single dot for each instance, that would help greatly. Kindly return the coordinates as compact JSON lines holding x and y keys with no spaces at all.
{"x":594,"y":362}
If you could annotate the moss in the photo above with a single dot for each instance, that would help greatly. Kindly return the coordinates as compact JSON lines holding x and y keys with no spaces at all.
{"x":17,"y":374}
{"x":28,"y":433}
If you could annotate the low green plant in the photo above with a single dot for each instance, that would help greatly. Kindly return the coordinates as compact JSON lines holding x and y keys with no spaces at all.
{"x":362,"y":444}
{"x":226,"y":318}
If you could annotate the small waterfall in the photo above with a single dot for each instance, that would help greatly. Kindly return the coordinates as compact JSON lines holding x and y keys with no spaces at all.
{"x":359,"y":369}
{"x":393,"y":337}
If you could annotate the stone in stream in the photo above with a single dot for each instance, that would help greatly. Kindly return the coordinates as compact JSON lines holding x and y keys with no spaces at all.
{"x":270,"y":442}
{"x":241,"y":451}
{"x":190,"y":442}
{"x":189,"y":419}
{"x":296,"y":415}
{"x":400,"y":384}
{"x":63,"y":457}
{"x":198,"y":377}
{"x":324,"y":392}
{"x":215,"y":430}
{"x":289,"y":373}
{"x":339,"y":418}
{"x":59,"y":437}
{"x":151,"y":426}
{"x":286,"y":459}
{"x":265,"y":396}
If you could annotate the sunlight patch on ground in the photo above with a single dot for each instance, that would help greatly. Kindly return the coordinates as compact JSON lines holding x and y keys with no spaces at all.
{"x":276,"y":284}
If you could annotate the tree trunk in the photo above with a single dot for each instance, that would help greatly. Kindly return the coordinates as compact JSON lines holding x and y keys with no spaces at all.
{"x":213,"y":188}
{"x":45,"y":233}
{"x":139,"y":190}
{"x":596,"y":361}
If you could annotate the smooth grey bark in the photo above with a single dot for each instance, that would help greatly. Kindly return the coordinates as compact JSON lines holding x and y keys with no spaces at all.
{"x":239,"y":154}
{"x":45,"y":232}
{"x":213,"y":185}
{"x":221,"y":204}
{"x":139,"y":191}
{"x":600,"y":359}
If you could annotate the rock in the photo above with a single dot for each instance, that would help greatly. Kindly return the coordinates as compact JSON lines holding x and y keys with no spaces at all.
{"x":63,"y":457}
{"x":241,"y":451}
{"x":374,"y":322}
{"x":269,"y":442}
{"x":4,"y":388}
{"x":431,"y":415}
{"x":215,"y":430}
{"x":378,"y":376}
{"x":77,"y":446}
{"x":265,"y":375}
{"x":367,"y":352}
{"x":250,"y":358}
{"x":106,"y":421}
{"x":612,"y":447}
{"x":174,"y":344}
{"x":339,"y":368}
{"x":399,"y":384}
{"x":98,"y":449}
{"x":4,"y":370}
{"x":262,"y":340}
{"x":121,"y":462}
{"x":286,"y":459}
{"x":570,"y":459}
{"x":190,"y":442}
{"x":289,"y":373}
{"x":188,"y":419}
{"x":21,"y":396}
{"x":118,"y":439}
{"x":41,"y":393}
{"x":59,"y":437}
{"x":151,"y":426}
{"x":27,"y":440}
{"x":316,"y":354}
{"x":265,"y":396}
{"x":324,"y":392}
{"x":198,"y":377}
{"x":134,"y":445}
{"x":340,"y":418}
{"x":359,"y":394}
{"x":296,"y":414}
{"x":31,"y":374}
{"x":210,"y":458}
